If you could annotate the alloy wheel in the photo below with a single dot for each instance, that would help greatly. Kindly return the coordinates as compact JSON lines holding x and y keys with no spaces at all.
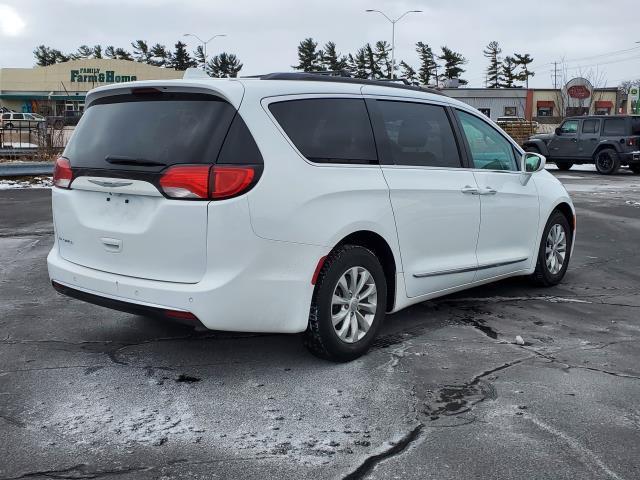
{"x":555,"y":249}
{"x":354,"y":304}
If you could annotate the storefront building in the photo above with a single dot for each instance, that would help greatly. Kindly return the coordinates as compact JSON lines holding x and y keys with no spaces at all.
{"x":577,"y":97}
{"x":58,"y":90}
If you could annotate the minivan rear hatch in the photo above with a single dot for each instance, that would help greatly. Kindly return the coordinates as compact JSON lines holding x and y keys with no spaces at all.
{"x":115,"y":217}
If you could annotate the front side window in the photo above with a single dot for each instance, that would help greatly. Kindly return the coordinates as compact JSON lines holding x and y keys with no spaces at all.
{"x":328,"y":130}
{"x":614,"y":126}
{"x":489,"y":149}
{"x":590,"y":126}
{"x":419,"y":134}
{"x":569,"y":127}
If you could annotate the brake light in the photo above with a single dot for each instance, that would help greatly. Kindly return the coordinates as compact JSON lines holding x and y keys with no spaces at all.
{"x":230,"y":181}
{"x":190,"y":181}
{"x":62,"y":174}
{"x":204,"y":182}
{"x":633,"y":141}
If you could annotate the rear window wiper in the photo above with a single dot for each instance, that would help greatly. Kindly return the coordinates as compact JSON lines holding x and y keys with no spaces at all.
{"x":122,"y":160}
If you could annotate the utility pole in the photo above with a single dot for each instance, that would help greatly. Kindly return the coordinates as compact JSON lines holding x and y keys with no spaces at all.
{"x":555,"y":75}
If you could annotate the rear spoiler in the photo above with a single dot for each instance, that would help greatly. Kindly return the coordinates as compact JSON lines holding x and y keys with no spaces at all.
{"x":229,"y":89}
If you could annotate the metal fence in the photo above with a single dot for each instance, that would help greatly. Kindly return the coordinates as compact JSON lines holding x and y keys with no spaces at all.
{"x":35,"y":140}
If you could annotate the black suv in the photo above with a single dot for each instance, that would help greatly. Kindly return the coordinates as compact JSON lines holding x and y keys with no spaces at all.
{"x":606,"y":141}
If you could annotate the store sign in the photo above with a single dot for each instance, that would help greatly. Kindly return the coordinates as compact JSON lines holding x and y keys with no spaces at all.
{"x":95,"y":75}
{"x":578,"y":91}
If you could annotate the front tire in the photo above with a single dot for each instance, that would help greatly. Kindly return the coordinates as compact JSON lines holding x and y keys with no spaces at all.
{"x":607,"y":161}
{"x":554,"y":251}
{"x":348,"y":305}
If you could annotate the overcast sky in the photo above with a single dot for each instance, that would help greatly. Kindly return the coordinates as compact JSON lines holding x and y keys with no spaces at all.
{"x":587,"y":34}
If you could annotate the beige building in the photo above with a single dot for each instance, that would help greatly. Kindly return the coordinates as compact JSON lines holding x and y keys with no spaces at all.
{"x":61,"y":89}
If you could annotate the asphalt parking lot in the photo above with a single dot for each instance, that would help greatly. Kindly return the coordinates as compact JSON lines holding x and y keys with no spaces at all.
{"x":86,"y":392}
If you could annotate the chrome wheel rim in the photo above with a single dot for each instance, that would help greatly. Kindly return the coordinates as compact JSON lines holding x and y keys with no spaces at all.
{"x":354,"y":304}
{"x":556,"y":249}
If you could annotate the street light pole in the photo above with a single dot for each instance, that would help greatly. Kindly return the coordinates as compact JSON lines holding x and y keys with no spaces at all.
{"x":204,"y":43}
{"x":393,"y":34}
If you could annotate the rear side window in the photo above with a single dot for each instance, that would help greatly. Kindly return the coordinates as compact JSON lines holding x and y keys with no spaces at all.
{"x":6,"y":116}
{"x":328,"y":130}
{"x":419,"y":134}
{"x":614,"y":126}
{"x":18,"y":116}
{"x":159,"y":129}
{"x":590,"y":126}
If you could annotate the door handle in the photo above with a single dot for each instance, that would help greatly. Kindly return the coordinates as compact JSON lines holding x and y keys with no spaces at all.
{"x":488,"y":191}
{"x":469,"y":190}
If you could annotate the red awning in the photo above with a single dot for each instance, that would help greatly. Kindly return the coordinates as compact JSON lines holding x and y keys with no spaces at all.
{"x":546,"y":104}
{"x":604,"y":104}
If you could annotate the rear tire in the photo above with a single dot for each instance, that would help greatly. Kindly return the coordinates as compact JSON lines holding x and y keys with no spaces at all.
{"x":348,"y":305}
{"x":564,"y":166}
{"x":635,"y":168}
{"x":607,"y":161}
{"x":555,"y":244}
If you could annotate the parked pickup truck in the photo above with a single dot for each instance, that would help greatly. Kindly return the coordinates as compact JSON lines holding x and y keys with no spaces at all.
{"x":606,"y":141}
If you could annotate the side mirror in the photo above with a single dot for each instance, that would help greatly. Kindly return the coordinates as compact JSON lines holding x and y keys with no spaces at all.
{"x":532,"y":162}
{"x":558,"y":131}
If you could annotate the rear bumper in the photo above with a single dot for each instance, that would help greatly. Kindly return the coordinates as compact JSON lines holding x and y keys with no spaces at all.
{"x":270,"y":292}
{"x":630,"y":157}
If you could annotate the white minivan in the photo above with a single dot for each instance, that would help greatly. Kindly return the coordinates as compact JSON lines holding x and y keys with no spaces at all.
{"x":296,"y":202}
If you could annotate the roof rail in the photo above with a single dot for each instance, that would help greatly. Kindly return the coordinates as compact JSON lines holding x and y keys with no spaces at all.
{"x":328,"y":77}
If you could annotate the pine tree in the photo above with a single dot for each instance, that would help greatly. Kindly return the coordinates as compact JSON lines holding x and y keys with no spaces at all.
{"x":372,"y":66}
{"x":453,"y":62}
{"x":44,"y":56}
{"x":428,"y":67}
{"x":97,"y":51}
{"x":160,"y":57}
{"x":309,"y":59}
{"x":181,"y":60}
{"x":383,"y":59}
{"x":509,"y":74}
{"x":83,"y":51}
{"x":141,"y":51}
{"x":198,"y":55}
{"x":409,"y":73}
{"x":523,"y":62}
{"x":224,"y":65}
{"x":358,"y":64}
{"x":331,"y":59}
{"x":494,"y":71}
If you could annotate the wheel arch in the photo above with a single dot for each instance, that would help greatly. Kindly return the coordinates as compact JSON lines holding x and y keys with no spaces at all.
{"x":605,"y":146}
{"x":568,"y":212}
{"x":538,"y":144}
{"x":381,"y":248}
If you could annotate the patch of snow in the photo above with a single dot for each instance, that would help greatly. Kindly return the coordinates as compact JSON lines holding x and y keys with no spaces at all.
{"x":632,"y":203}
{"x":35,"y":182}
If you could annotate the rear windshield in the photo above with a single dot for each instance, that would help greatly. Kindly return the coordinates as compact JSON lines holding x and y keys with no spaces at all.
{"x":150,"y":131}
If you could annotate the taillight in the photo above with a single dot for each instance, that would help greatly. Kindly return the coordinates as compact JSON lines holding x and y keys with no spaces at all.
{"x":190,"y":181}
{"x":633,"y":141}
{"x":230,"y":181}
{"x":207,"y":182}
{"x":62,"y":174}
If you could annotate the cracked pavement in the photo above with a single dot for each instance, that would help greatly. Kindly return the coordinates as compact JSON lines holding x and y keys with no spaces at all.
{"x":446,"y":393}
